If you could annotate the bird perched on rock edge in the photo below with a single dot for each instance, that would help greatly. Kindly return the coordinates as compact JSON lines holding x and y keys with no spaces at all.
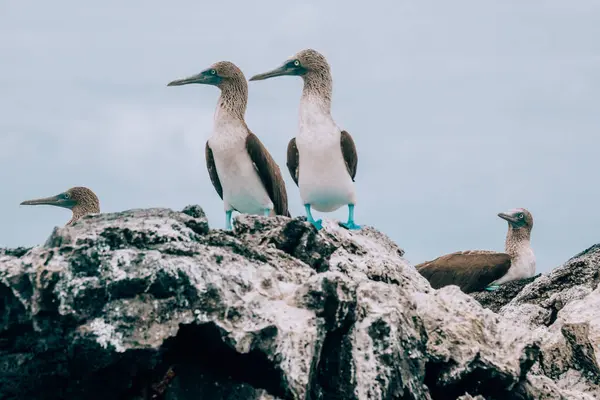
{"x":241,"y":169}
{"x":322,"y":159}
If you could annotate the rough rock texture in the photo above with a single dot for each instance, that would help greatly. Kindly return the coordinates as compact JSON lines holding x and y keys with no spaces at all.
{"x":503,"y":295}
{"x":563,"y":311}
{"x":152,"y":304}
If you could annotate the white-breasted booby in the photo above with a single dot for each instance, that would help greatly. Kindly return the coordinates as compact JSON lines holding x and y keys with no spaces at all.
{"x":476,"y":270}
{"x":322,"y":159}
{"x":241,"y":169}
{"x":80,"y":200}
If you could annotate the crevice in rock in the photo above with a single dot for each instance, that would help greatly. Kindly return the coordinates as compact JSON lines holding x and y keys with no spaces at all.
{"x":384,"y":279}
{"x":577,"y":336}
{"x":477,"y":379}
{"x":290,"y":237}
{"x":333,"y":376}
{"x":553,"y":316}
{"x":200,"y":348}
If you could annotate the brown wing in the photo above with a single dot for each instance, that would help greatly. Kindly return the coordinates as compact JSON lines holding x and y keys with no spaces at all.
{"x":269,"y":173}
{"x":212,"y":170}
{"x":471,"y":271}
{"x":292,"y":160}
{"x":349,"y":153}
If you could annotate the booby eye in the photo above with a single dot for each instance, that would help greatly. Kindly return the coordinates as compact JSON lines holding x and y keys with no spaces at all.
{"x":521,"y":216}
{"x":67,"y":196}
{"x":212,"y":71}
{"x":297,"y":63}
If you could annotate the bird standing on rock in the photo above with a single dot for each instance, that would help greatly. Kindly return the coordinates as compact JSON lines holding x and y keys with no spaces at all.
{"x":322,"y":159}
{"x":475,"y":270}
{"x":241,"y":169}
{"x":80,"y":200}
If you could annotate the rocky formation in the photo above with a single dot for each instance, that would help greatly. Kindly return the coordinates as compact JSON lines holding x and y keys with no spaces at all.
{"x":151,"y":304}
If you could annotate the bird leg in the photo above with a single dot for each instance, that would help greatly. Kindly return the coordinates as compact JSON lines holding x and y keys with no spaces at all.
{"x":228,"y":220}
{"x":266,"y":212}
{"x":317,"y":224}
{"x":491,"y":288}
{"x":350,"y":224}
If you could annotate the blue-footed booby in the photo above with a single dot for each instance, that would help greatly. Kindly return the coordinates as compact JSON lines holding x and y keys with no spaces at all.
{"x":80,"y":200}
{"x":241,"y":169}
{"x":476,"y":270}
{"x":322,"y":158}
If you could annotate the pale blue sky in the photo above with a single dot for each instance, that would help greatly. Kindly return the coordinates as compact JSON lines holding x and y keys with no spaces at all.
{"x":459,"y":110}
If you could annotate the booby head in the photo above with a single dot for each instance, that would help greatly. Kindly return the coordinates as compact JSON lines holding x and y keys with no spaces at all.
{"x":80,"y":200}
{"x":304,"y":63}
{"x":219,"y":74}
{"x":518,"y":218}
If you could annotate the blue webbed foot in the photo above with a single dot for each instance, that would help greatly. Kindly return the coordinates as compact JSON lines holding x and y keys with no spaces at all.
{"x":266,"y":212}
{"x":350,"y":225}
{"x":317,"y":224}
{"x":491,"y":288}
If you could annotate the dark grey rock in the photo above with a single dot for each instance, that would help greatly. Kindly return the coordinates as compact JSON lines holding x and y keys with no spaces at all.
{"x":149,"y":304}
{"x":500,"y":297}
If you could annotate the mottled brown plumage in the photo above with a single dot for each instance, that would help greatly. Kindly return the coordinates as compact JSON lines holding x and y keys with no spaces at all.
{"x":80,"y":200}
{"x":475,"y":270}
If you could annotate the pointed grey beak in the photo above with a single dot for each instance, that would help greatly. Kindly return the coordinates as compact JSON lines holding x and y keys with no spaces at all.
{"x":50,"y":201}
{"x":508,"y":217}
{"x":200,"y":78}
{"x":280,"y":71}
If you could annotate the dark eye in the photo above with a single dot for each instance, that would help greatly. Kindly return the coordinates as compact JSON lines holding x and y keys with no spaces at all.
{"x":212,"y":71}
{"x":297,"y":63}
{"x":67,"y":196}
{"x":521,"y":216}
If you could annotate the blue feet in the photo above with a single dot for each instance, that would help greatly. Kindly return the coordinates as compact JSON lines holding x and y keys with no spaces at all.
{"x":317,"y":224}
{"x":228,"y":220}
{"x":350,"y":224}
{"x":491,"y":288}
{"x":266,"y":212}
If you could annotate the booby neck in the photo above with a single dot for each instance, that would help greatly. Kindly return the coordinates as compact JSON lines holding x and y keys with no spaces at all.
{"x":233,"y":101}
{"x":318,"y":87}
{"x":315,"y":103}
{"x":517,"y":241}
{"x":81,"y":211}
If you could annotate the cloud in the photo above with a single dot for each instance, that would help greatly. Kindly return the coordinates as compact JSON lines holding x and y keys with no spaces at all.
{"x":460,"y":110}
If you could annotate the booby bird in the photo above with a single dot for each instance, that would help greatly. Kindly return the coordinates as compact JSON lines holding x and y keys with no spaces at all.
{"x":476,"y":270}
{"x":80,"y":200}
{"x":241,"y":169}
{"x":322,"y":158}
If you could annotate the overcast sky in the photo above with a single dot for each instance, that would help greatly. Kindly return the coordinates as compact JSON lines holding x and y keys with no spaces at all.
{"x":459,"y":110}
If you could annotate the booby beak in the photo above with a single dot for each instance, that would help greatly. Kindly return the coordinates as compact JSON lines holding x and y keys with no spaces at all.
{"x":59,"y":200}
{"x":285,"y":69}
{"x":508,"y":218}
{"x":201,"y":78}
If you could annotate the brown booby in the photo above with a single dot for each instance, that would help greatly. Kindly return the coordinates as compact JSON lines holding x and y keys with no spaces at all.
{"x":322,"y":159}
{"x":241,"y":169}
{"x":475,"y":270}
{"x":80,"y":200}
